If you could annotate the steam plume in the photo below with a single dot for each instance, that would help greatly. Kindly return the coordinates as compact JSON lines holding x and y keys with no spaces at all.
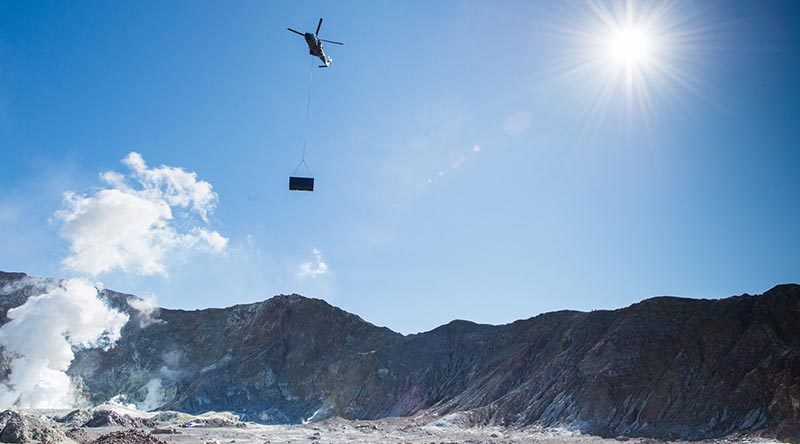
{"x":40,"y":338}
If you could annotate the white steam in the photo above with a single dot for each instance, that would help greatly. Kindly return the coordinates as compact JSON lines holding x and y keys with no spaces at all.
{"x":131,"y":227}
{"x":39,"y":341}
{"x":154,"y":397}
{"x":155,"y":394}
{"x":147,"y":308}
{"x":35,"y":283}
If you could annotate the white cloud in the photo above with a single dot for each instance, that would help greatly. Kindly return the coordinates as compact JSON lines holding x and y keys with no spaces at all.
{"x":212,"y":240}
{"x":132,"y":227}
{"x":39,"y":341}
{"x":315,"y":266}
{"x":176,"y":186}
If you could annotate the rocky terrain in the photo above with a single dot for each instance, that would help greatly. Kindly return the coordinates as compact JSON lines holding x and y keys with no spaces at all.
{"x":668,"y":368}
{"x":59,"y":427}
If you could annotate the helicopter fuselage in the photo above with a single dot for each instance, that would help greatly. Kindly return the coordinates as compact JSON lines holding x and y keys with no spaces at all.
{"x":315,"y":44}
{"x":315,"y":48}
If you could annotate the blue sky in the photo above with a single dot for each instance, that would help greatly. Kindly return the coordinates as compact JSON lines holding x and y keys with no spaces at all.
{"x":544,"y":201}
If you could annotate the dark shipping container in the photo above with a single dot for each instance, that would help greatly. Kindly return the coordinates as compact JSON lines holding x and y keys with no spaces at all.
{"x":301,"y":183}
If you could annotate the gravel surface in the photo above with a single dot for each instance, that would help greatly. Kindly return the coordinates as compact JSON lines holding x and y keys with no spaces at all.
{"x":216,"y":428}
{"x":392,"y":431}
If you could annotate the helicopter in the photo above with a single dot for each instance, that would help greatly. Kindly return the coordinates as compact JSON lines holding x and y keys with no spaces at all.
{"x":315,"y":45}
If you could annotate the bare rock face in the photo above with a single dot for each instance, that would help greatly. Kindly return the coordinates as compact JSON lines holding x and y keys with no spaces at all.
{"x":18,"y":428}
{"x":664,"y":368}
{"x":78,"y":435}
{"x":166,"y":431}
{"x":77,"y":417}
{"x":110,"y":418}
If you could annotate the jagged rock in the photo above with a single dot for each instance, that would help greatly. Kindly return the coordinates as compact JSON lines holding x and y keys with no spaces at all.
{"x":131,"y":436}
{"x":166,"y":431}
{"x":105,"y":418}
{"x":18,"y":428}
{"x":110,"y":418}
{"x":76,"y":417}
{"x":14,"y":428}
{"x":78,"y":435}
{"x":214,"y":420}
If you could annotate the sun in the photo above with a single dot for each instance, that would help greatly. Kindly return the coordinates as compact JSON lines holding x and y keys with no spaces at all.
{"x":630,"y":46}
{"x":631,"y":58}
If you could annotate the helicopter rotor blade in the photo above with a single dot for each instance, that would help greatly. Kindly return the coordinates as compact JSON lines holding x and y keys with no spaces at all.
{"x":319,"y":25}
{"x":296,"y":32}
{"x":331,"y":41}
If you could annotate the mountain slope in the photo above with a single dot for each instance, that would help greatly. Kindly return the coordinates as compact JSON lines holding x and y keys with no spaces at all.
{"x":665,"y":367}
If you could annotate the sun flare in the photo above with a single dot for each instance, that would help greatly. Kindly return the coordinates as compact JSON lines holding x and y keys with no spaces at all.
{"x":631,"y":57}
{"x":630,"y":45}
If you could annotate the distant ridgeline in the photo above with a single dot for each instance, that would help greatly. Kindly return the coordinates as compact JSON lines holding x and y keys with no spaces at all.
{"x":666,"y":367}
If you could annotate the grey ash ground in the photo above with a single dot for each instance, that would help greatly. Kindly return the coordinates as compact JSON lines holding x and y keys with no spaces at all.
{"x":172,"y":427}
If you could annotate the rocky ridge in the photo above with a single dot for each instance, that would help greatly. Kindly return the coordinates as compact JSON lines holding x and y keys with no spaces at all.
{"x":665,"y":367}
